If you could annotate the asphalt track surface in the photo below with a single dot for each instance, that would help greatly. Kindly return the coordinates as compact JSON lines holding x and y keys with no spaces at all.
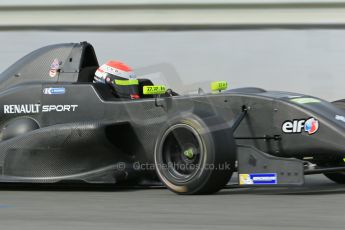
{"x":320,"y":204}
{"x":317,"y":205}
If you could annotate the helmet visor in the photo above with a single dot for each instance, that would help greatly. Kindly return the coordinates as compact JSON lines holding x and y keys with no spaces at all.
{"x":126,"y":88}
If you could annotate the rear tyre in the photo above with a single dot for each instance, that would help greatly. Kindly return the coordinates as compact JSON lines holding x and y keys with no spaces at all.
{"x":195,"y":156}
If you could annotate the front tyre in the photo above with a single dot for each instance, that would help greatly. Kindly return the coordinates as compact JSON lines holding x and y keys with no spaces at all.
{"x":194,"y":156}
{"x":338,"y":177}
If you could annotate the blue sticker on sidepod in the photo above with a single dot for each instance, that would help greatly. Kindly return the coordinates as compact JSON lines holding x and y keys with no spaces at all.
{"x":54,"y":91}
{"x":258,"y":179}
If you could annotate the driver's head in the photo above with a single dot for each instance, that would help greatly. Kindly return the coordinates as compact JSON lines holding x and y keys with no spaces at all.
{"x":120,"y":76}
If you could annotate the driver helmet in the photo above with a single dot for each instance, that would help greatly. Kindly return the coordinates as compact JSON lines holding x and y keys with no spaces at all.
{"x":120,"y":76}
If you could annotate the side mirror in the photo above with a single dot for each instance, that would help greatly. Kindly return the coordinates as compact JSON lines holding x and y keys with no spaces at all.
{"x":219,"y":86}
{"x":154,"y":90}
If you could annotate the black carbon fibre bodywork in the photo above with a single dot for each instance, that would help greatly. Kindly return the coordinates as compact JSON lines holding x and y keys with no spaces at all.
{"x":85,"y":134}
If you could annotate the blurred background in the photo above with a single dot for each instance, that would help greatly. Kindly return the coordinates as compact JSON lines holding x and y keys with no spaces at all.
{"x":290,"y":45}
{"x":274,"y":44}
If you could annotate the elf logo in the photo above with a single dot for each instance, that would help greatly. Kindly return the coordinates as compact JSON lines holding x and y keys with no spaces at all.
{"x":310,"y":126}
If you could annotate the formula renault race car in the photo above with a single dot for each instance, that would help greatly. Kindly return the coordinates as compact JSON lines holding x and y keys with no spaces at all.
{"x":57,"y":126}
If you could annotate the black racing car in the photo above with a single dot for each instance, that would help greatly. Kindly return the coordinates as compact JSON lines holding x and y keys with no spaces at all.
{"x":56,"y":126}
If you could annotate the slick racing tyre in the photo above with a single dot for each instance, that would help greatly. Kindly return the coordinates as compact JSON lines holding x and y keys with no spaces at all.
{"x":338,"y":177}
{"x":194,"y":156}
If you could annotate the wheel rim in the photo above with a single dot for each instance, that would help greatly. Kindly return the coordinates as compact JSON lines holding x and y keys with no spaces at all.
{"x":182,"y":152}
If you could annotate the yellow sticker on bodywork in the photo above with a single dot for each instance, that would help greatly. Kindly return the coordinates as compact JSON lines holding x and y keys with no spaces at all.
{"x":219,"y":85}
{"x":154,"y":90}
{"x":244,"y":179}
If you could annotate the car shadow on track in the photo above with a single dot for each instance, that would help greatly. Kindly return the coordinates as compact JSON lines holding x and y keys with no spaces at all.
{"x":308,"y":189}
{"x":314,"y":185}
{"x":305,"y":190}
{"x":72,"y":187}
